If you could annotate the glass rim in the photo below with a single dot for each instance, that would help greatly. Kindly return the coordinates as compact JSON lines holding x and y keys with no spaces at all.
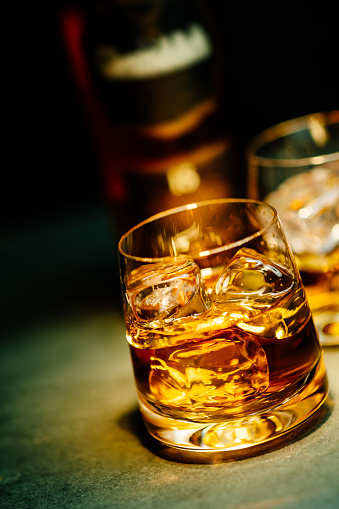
{"x":283,"y":129}
{"x":192,"y":206}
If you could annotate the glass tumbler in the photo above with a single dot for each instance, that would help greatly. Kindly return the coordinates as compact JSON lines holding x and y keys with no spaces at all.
{"x":223,"y":346}
{"x":294,"y":166}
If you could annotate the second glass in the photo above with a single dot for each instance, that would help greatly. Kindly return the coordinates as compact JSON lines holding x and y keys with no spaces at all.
{"x":223,"y":345}
{"x":294,"y":166}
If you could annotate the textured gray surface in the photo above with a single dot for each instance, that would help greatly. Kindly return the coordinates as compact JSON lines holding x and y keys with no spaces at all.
{"x":70,"y":432}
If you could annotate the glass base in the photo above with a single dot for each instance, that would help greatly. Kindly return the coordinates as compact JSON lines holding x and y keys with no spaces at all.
{"x":236,"y":434}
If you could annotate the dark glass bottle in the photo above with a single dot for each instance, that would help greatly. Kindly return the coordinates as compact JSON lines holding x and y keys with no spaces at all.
{"x":158,"y":74}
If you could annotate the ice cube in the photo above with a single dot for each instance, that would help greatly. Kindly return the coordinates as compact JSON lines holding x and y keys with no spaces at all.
{"x":227,"y":370}
{"x":308,"y":206}
{"x":270,"y":302}
{"x":162,"y":291}
{"x":253,"y":281}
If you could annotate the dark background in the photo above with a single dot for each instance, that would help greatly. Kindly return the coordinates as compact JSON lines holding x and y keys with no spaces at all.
{"x":283,"y":64}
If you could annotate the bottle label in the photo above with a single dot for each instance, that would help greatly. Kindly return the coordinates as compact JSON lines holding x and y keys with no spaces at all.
{"x":152,"y":65}
{"x":168,"y":54}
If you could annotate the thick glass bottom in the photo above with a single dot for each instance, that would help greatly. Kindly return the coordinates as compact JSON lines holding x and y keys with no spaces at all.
{"x":241,"y":433}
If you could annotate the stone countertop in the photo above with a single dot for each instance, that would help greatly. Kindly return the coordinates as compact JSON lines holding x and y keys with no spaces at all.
{"x":70,"y":431}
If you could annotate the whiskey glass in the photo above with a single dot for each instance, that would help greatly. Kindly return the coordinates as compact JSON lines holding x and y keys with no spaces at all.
{"x":294,"y":166}
{"x":223,"y":346}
